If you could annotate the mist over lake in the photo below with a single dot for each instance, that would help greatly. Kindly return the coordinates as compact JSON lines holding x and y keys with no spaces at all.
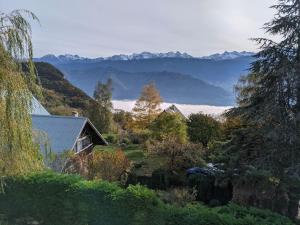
{"x":186,"y":109}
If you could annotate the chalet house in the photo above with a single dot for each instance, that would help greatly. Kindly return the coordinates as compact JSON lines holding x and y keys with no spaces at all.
{"x":174,"y":109}
{"x":64,"y":133}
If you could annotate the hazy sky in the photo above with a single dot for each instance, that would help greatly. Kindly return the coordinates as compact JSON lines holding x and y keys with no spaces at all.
{"x":96,"y":28}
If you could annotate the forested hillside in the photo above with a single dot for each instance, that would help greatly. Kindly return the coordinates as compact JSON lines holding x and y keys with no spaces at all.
{"x":59,"y":96}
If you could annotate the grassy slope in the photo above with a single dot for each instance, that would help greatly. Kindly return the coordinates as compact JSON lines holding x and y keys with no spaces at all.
{"x":60,"y":97}
{"x":134,"y":152}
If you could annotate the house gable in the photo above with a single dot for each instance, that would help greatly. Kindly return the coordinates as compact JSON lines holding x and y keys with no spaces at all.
{"x":174,"y":109}
{"x":88,"y":137}
{"x":61,"y":133}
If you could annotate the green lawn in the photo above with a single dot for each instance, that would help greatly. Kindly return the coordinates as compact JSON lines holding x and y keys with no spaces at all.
{"x":134,"y":152}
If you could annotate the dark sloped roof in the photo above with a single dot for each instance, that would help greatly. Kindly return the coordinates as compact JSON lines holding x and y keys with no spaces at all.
{"x":62,"y":131}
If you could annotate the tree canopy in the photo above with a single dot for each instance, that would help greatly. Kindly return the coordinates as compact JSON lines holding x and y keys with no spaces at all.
{"x":203,"y":128}
{"x":269,"y":97}
{"x":147,"y":107}
{"x":168,"y":125}
{"x":100,"y":111}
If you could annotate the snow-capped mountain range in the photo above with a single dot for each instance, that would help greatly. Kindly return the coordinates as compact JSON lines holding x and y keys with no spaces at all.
{"x":144,"y":55}
{"x":228,"y":55}
{"x":149,"y":55}
{"x":179,"y":76}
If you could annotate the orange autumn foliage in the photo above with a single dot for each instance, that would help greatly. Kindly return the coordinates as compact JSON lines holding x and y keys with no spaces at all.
{"x":109,"y":166}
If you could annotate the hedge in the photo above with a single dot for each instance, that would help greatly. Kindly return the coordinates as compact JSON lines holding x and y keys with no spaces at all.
{"x":56,"y":199}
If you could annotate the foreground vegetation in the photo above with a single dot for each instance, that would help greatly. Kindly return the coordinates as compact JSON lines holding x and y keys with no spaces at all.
{"x":18,"y":154}
{"x":54,"y":199}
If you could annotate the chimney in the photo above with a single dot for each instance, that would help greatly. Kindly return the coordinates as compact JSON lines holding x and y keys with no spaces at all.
{"x":75,"y":114}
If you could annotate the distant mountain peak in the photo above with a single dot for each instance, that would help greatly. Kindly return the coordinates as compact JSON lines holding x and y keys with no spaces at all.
{"x":141,"y":56}
{"x":149,"y":55}
{"x":71,"y":57}
{"x":122,"y":57}
{"x":228,"y":55}
{"x":61,"y":58}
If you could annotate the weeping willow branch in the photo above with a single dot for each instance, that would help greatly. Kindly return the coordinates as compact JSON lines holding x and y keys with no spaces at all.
{"x":18,"y":154}
{"x":15,"y":38}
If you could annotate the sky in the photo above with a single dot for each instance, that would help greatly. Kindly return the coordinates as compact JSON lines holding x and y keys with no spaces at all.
{"x":99,"y":28}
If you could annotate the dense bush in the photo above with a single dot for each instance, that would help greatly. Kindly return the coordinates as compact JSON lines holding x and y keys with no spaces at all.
{"x":112,"y":139}
{"x":139,"y":137}
{"x":180,"y":155}
{"x":109,"y":166}
{"x":213,"y":190}
{"x":158,"y":179}
{"x":178,"y":196}
{"x":125,"y":141}
{"x":215,"y":152}
{"x":52,"y":199}
{"x":123,"y":119}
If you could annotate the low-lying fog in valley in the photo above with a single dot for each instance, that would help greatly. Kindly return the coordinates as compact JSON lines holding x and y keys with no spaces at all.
{"x":127,"y":105}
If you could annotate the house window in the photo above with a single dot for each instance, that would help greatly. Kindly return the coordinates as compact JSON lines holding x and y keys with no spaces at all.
{"x":83,"y":143}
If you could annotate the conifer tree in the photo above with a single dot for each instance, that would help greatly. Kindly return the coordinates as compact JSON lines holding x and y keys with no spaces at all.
{"x":269,"y":97}
{"x":147,"y":107}
{"x":101,"y":111}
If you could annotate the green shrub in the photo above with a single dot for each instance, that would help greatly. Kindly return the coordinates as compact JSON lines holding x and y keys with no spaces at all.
{"x":111,"y":139}
{"x":260,"y":217}
{"x":139,"y":137}
{"x":125,"y":141}
{"x":56,"y":199}
{"x":180,"y":155}
{"x":178,"y":196}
